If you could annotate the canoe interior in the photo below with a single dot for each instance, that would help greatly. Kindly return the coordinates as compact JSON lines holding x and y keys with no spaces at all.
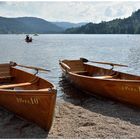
{"x":78,"y":67}
{"x":11,"y":75}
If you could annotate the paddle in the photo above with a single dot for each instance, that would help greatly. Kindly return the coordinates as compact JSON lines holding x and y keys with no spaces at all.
{"x":29,"y":67}
{"x":106,"y":63}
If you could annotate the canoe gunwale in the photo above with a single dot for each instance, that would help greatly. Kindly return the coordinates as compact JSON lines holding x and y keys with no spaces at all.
{"x":116,"y":80}
{"x":94,"y":78}
{"x":49,"y":90}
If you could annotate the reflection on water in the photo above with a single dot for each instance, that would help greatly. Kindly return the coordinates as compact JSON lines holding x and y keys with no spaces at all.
{"x":134,"y":59}
{"x":70,"y":91}
{"x":74,"y":94}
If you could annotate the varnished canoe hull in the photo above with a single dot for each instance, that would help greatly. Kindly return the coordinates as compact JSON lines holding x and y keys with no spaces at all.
{"x":129,"y":93}
{"x":35,"y":107}
{"x":126,"y":91}
{"x":35,"y":102}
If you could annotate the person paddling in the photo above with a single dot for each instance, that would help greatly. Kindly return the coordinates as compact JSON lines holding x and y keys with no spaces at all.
{"x":27,"y":38}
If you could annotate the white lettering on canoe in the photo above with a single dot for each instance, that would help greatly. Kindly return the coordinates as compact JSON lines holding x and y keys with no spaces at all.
{"x":27,"y":101}
{"x":132,"y":89}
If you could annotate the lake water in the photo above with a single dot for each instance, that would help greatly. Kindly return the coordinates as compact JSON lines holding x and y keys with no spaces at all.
{"x":46,"y":51}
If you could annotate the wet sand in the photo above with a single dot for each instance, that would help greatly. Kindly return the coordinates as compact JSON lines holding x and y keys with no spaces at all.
{"x":78,"y":116}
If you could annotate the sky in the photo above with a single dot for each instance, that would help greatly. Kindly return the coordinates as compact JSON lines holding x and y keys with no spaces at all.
{"x":72,"y":11}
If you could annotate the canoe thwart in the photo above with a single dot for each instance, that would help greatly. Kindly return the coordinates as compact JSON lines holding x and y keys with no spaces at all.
{"x":6,"y":77}
{"x":15,"y":85}
{"x":81,"y":72}
{"x":33,"y":81}
{"x":103,"y":77}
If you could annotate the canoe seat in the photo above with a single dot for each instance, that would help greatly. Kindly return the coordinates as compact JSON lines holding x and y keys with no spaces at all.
{"x":15,"y":85}
{"x":81,"y":72}
{"x":4,"y":79}
{"x":113,"y":75}
{"x":103,"y":77}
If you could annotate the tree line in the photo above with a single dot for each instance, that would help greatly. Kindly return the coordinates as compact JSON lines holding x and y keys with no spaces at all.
{"x":130,"y":25}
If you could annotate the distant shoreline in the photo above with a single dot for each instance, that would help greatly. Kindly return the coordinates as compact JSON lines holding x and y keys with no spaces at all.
{"x":32,"y":25}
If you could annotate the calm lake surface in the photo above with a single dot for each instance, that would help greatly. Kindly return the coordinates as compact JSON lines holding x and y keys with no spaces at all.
{"x":46,"y":51}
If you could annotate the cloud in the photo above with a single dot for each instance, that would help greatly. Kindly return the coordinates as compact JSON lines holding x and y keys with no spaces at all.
{"x":92,"y":11}
{"x":108,"y":12}
{"x":2,"y":2}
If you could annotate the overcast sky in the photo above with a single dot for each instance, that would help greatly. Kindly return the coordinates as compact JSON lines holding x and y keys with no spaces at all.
{"x":70,"y":11}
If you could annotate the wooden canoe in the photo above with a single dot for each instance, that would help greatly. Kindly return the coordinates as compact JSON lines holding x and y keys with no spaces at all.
{"x":101,"y":81}
{"x":27,"y":95}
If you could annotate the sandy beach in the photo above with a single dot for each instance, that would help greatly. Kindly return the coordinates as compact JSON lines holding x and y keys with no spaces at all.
{"x":78,"y":116}
{"x":95,"y":118}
